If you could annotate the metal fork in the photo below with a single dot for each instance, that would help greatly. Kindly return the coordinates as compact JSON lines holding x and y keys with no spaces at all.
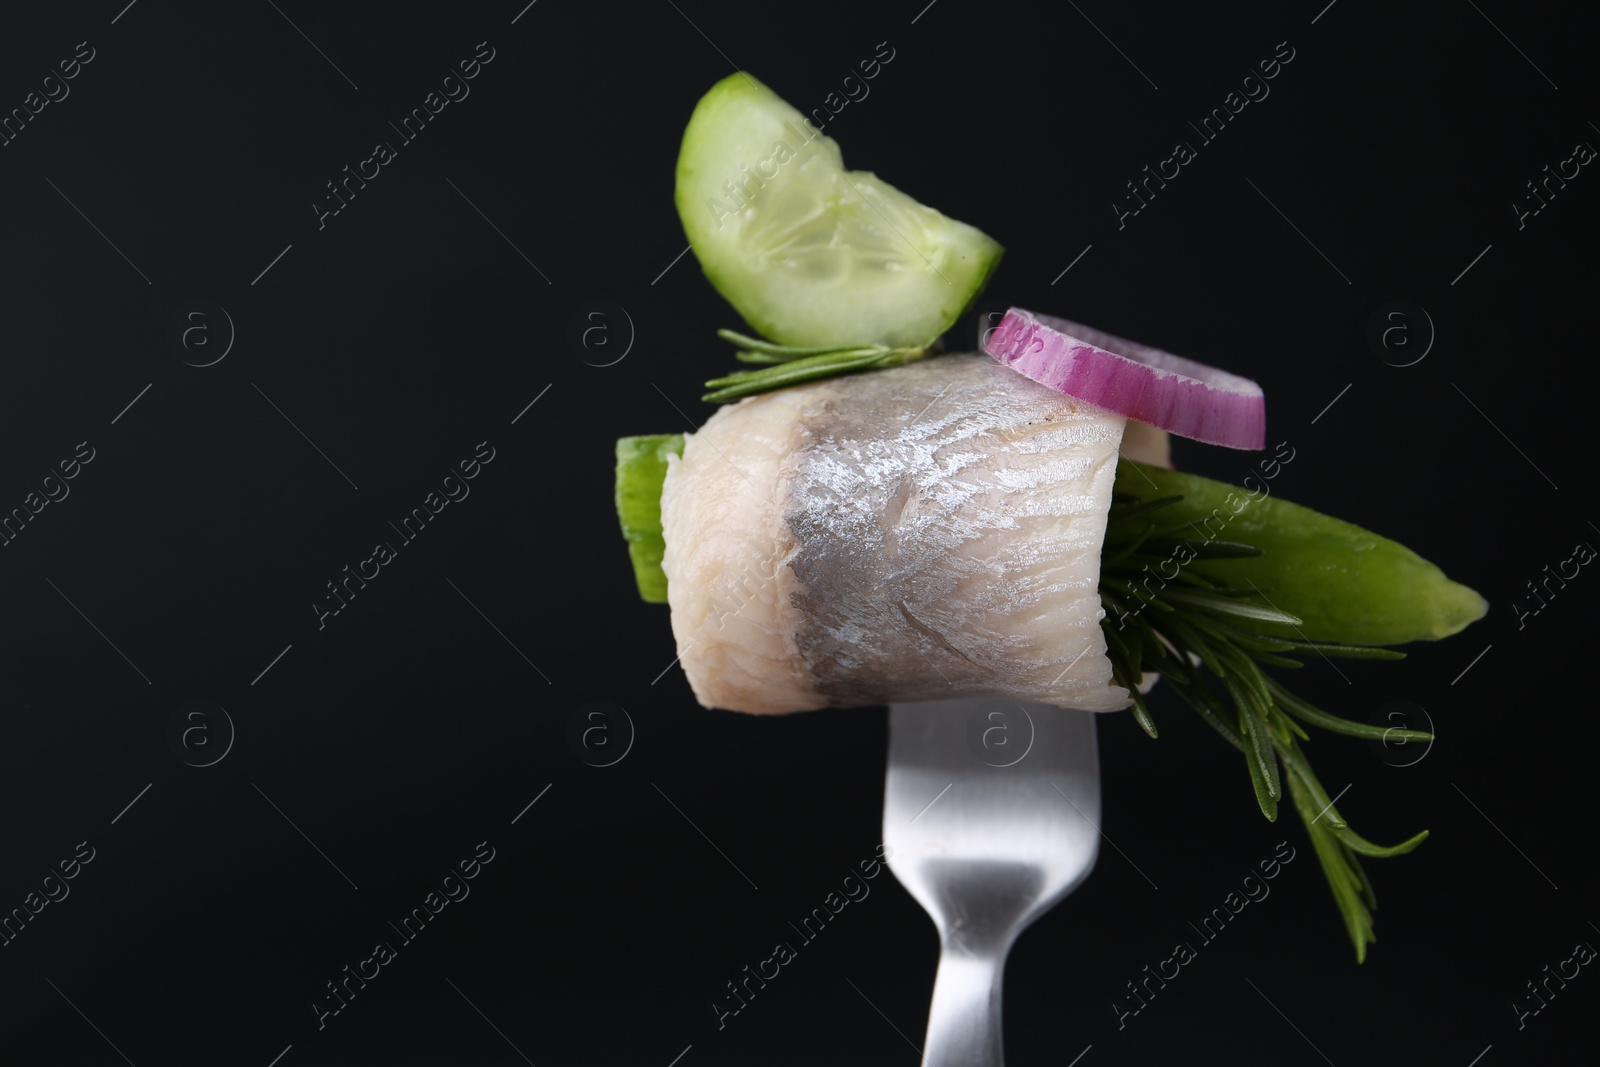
{"x":991,"y":813}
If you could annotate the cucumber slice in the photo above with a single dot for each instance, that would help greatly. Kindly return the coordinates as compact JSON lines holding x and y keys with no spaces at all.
{"x":809,"y":253}
{"x":641,"y":472}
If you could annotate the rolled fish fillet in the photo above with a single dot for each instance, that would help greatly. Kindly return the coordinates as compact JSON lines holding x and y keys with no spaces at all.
{"x":922,"y":533}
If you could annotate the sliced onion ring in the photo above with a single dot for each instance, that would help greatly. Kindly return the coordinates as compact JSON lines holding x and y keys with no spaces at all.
{"x":1175,"y":394}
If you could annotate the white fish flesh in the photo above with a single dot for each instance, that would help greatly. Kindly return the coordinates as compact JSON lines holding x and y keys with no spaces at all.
{"x":922,"y":533}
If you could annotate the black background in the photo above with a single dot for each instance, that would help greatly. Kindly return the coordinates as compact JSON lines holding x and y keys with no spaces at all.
{"x":408,"y":330}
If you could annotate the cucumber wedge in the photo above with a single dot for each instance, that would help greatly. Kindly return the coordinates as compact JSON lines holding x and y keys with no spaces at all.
{"x":809,"y":253}
{"x":1346,"y":584}
{"x":641,"y":471}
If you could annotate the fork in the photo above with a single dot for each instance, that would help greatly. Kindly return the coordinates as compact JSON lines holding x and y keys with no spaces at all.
{"x":991,"y":813}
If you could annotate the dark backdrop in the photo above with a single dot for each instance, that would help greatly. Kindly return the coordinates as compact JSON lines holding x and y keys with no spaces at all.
{"x":162,"y":206}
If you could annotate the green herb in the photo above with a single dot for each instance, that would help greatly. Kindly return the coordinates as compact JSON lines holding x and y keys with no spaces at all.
{"x":1167,"y":611}
{"x":788,"y":365}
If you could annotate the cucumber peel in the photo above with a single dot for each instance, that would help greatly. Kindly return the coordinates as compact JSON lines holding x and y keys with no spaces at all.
{"x":641,"y":472}
{"x":1346,"y":584}
{"x":809,"y":253}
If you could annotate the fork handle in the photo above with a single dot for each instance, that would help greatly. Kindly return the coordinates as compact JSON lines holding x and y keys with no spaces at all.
{"x":964,"y":1018}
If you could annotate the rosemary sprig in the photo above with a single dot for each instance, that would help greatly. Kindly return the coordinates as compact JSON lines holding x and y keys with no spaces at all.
{"x":786,"y":365}
{"x":1185,"y":626}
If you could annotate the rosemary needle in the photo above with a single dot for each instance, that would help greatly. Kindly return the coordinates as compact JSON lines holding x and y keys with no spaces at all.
{"x":1185,"y":625}
{"x":784,"y":365}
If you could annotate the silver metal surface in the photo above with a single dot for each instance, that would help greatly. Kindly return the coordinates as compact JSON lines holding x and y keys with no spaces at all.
{"x":991,"y":813}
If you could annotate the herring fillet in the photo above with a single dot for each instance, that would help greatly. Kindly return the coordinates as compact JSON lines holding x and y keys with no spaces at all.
{"x":922,"y":533}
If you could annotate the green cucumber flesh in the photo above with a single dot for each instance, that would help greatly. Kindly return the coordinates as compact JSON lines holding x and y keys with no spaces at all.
{"x":809,"y":253}
{"x":641,"y":472}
